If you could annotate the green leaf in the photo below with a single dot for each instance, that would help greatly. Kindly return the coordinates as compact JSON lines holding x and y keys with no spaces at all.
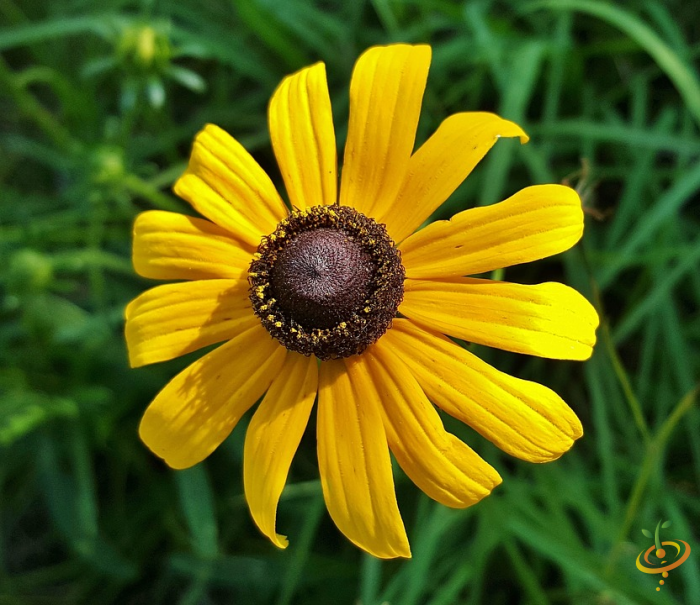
{"x":25,"y":411}
{"x":266,"y":27}
{"x":678,"y":71}
{"x":647,"y":533}
{"x":30,"y":33}
{"x":197,"y":504}
{"x":666,"y":524}
{"x":156,"y":92}
{"x":187,"y":78}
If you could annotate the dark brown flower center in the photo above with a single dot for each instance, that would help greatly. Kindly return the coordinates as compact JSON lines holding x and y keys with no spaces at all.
{"x":321,"y":277}
{"x":327,"y":282}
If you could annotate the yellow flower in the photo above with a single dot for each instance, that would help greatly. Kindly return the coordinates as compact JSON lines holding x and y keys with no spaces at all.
{"x":305,"y":300}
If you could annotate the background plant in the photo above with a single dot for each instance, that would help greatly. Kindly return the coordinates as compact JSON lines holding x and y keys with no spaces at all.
{"x":99,"y":102}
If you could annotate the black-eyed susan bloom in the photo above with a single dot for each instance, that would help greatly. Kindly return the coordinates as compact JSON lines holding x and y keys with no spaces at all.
{"x":342,"y":299}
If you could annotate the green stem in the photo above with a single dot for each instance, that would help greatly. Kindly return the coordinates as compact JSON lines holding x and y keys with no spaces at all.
{"x":632,"y":506}
{"x":622,"y":377}
{"x":674,"y":65}
{"x":76,"y":261}
{"x":654,"y":451}
{"x":680,"y":410}
{"x":618,"y":367}
{"x":137,"y":186}
{"x":32,"y":109}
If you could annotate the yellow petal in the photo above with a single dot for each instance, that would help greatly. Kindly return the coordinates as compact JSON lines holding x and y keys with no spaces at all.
{"x":174,"y":246}
{"x":523,"y":418}
{"x":534,"y":223}
{"x":273,"y":437}
{"x":301,"y":128}
{"x":385,"y":100}
{"x":441,"y":465}
{"x":440,"y":166}
{"x":198,"y":408}
{"x":547,"y":320}
{"x":224,"y":183}
{"x":355,"y":465}
{"x":171,"y":320}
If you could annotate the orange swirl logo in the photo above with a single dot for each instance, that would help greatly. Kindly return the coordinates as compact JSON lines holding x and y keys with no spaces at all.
{"x":665,"y":560}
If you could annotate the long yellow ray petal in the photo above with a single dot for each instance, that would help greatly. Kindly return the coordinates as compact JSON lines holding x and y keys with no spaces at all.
{"x":548,"y":320}
{"x":523,"y":418}
{"x":171,"y":320}
{"x":303,"y":138}
{"x":355,"y":465}
{"x":273,"y":437}
{"x":441,"y":164}
{"x":198,"y":408}
{"x":385,"y":100}
{"x":224,"y":183}
{"x":441,"y":465}
{"x":168,"y":245}
{"x":535,"y":223}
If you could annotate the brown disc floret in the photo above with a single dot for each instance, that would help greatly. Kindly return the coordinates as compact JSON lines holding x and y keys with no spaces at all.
{"x":327,"y":281}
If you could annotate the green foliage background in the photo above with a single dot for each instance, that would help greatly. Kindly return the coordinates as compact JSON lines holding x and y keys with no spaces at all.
{"x":99,"y":102}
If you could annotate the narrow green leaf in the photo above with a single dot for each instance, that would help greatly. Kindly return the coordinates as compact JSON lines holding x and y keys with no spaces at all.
{"x":664,"y":208}
{"x":156,"y":92}
{"x":649,"y":304}
{"x":32,"y":33}
{"x":187,"y":78}
{"x":197,"y":505}
{"x":22,"y":412}
{"x":680,"y":73}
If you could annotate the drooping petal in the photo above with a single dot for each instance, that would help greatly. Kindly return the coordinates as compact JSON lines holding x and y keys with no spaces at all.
{"x":440,"y":166}
{"x":548,"y":320}
{"x":198,"y":408}
{"x":523,"y":418}
{"x":535,"y":223}
{"x":385,"y":100}
{"x":168,"y":245}
{"x":441,"y":465}
{"x":355,"y":465}
{"x":224,"y":183}
{"x":303,"y":138}
{"x":171,"y":320}
{"x":273,"y":437}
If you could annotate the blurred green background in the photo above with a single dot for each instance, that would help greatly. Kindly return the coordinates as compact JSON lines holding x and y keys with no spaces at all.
{"x":99,"y":102}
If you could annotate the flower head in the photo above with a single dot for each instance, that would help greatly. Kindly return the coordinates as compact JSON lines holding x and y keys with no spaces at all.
{"x":344,"y":299}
